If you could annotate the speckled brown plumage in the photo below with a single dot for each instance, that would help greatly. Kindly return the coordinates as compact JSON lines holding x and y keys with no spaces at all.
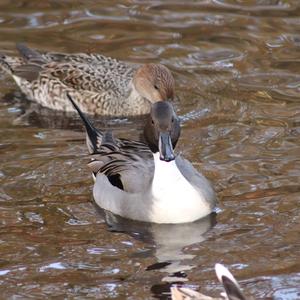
{"x":100,"y":85}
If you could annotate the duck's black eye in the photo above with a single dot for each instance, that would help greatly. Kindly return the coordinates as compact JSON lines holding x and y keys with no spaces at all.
{"x":152,"y":122}
{"x":156,"y":87}
{"x":173,"y":120}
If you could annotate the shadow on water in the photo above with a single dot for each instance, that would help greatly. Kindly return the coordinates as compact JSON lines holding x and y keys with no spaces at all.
{"x":30,"y":113}
{"x":168,"y":242}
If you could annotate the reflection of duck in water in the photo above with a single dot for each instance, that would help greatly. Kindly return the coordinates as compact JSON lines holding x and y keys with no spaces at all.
{"x":168,"y":240}
{"x":147,"y":182}
{"x":232,"y":289}
{"x":99,"y":84}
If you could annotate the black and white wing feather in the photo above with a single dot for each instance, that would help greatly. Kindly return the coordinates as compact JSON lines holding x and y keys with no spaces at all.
{"x":128,"y":164}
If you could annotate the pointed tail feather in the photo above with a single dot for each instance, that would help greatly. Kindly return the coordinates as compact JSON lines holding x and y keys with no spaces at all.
{"x":11,"y":64}
{"x":94,"y":136}
{"x":231,"y":286}
{"x":15,"y":67}
{"x":26,"y":67}
{"x":30,"y":54}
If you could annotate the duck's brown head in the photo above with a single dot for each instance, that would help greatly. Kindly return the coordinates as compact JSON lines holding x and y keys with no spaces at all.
{"x":154,"y":82}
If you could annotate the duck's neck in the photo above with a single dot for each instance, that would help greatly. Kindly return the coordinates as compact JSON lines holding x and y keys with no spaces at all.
{"x":137,"y":102}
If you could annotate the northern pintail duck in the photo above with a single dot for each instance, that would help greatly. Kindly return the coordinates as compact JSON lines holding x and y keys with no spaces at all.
{"x":146,"y":181}
{"x":99,"y":84}
{"x":232,"y":290}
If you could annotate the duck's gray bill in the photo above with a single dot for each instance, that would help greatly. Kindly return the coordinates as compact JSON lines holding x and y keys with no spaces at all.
{"x":165,"y":147}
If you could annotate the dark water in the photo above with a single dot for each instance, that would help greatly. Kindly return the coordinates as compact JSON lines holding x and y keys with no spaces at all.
{"x":236,"y":65}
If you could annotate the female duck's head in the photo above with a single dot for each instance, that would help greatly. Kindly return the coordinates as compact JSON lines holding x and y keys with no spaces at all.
{"x":154,"y":82}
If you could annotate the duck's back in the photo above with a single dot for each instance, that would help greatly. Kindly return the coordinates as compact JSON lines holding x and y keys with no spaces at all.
{"x":101,"y":85}
{"x":100,"y":71}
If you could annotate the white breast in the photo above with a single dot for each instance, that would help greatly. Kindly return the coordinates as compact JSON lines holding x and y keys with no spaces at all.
{"x":175,"y":200}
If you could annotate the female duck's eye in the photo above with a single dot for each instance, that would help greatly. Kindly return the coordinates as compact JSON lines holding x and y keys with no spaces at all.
{"x":152,"y":122}
{"x":156,"y":87}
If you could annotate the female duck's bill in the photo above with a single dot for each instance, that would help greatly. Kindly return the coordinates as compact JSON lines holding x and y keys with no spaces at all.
{"x":146,"y":181}
{"x":100,"y":85}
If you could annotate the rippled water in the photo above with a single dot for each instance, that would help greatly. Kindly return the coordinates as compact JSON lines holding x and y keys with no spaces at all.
{"x":236,"y":65}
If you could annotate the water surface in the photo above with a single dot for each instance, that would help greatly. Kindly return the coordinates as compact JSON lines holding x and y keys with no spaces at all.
{"x":236,"y":65}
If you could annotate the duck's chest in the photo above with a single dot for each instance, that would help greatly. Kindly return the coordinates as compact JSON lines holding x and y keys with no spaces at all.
{"x":175,"y":199}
